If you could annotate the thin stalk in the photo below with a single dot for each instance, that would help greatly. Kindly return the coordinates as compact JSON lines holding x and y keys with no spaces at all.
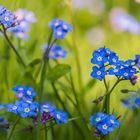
{"x":13,"y":128}
{"x":124,"y":117}
{"x":42,"y":77}
{"x":77,"y":102}
{"x":45,"y":133}
{"x":61,"y":102}
{"x":107,"y":99}
{"x":12,"y":46}
{"x":44,"y":67}
{"x":70,"y":81}
{"x":75,"y":47}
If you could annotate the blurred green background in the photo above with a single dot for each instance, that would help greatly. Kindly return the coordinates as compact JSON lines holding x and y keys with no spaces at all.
{"x":92,"y":29}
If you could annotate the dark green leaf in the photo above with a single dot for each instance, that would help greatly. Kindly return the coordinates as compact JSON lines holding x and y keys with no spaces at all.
{"x":90,"y":84}
{"x":57,"y":72}
{"x":35,"y":62}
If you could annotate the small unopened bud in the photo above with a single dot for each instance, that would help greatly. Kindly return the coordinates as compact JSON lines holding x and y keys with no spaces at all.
{"x":125,"y":91}
{"x":96,"y":101}
{"x":118,"y":117}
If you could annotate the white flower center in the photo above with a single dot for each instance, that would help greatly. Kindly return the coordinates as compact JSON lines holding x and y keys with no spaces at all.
{"x":56,"y":24}
{"x":115,"y":70}
{"x":112,"y":121}
{"x":6,"y":18}
{"x":99,"y":58}
{"x":14,"y":107}
{"x":59,"y":33}
{"x":28,"y":101}
{"x":26,"y":110}
{"x":98,"y":72}
{"x":98,"y":119}
{"x":58,"y":116}
{"x":125,"y":74}
{"x":29,"y":92}
{"x":104,"y":126}
{"x":46,"y":106}
{"x":114,"y":60}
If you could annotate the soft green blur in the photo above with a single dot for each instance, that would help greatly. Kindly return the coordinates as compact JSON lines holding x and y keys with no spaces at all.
{"x":124,"y":44}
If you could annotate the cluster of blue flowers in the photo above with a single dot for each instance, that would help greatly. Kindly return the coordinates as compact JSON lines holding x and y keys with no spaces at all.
{"x":49,"y":111}
{"x":7,"y":18}
{"x":104,"y":123}
{"x":60,"y":28}
{"x":107,"y":63}
{"x":27,"y":107}
{"x":24,"y":19}
{"x":55,"y":52}
{"x":18,"y":22}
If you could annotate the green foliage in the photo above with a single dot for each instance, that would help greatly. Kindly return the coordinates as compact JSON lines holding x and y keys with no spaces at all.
{"x":57,"y":72}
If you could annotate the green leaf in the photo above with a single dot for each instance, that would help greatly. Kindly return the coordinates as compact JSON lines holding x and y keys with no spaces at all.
{"x":90,"y":84}
{"x":58,"y":71}
{"x":74,"y":118}
{"x":35,"y":62}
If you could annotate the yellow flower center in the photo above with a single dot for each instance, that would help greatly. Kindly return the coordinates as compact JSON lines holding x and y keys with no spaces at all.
{"x":29,"y":92}
{"x":26,"y":110}
{"x":104,"y":126}
{"x":6,"y":18}
{"x":20,"y":94}
{"x":58,"y":116}
{"x":46,"y":110}
{"x":98,"y":119}
{"x":65,"y":26}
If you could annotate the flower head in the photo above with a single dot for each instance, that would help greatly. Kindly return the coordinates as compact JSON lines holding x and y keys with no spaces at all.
{"x":104,"y":123}
{"x":60,"y":28}
{"x":60,"y":117}
{"x":98,"y":73}
{"x":55,"y":52}
{"x":28,"y":109}
{"x":47,"y":107}
{"x":24,"y":19}
{"x":107,"y":62}
{"x":7,"y":18}
{"x":97,"y":118}
{"x":137,"y":60}
{"x":24,"y":91}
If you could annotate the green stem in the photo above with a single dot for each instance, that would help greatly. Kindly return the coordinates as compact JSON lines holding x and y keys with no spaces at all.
{"x":75,"y":47}
{"x":42,"y":79}
{"x":70,"y":81}
{"x":13,"y":128}
{"x":107,"y":99}
{"x":13,"y":47}
{"x":45,"y":133}
{"x":43,"y":72}
{"x":61,"y":102}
